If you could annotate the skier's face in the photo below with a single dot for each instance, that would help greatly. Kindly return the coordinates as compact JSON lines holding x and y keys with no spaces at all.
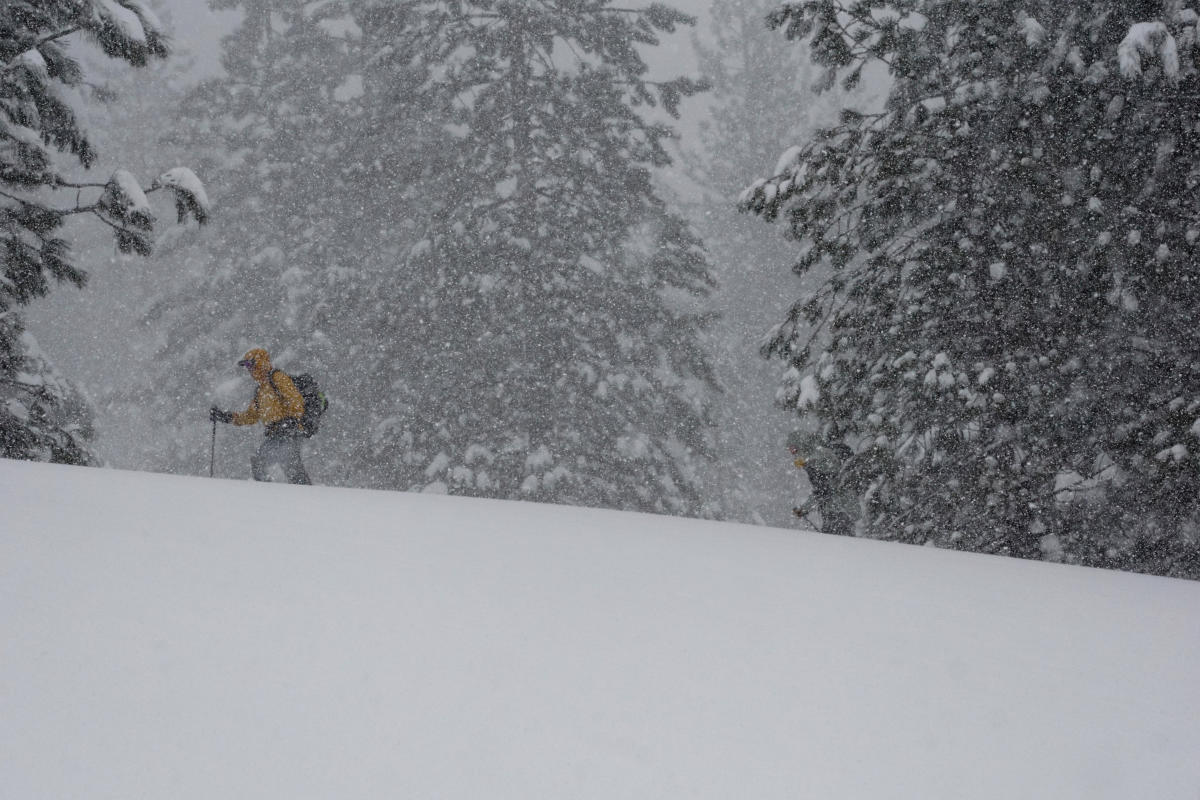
{"x":252,"y":368}
{"x":258,"y":362}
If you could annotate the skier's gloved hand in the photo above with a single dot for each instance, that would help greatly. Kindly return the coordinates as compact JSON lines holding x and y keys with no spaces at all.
{"x":217,"y":415}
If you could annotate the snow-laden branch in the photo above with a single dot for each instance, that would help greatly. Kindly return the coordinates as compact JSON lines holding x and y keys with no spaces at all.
{"x":1148,"y":39}
{"x":190,"y":197}
{"x":126,"y":29}
{"x":125,"y":200}
{"x":1034,"y":32}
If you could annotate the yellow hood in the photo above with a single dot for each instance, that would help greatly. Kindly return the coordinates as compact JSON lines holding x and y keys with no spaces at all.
{"x":260,"y":363}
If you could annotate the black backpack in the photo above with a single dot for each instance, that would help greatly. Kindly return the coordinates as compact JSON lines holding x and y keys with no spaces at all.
{"x":315,"y":402}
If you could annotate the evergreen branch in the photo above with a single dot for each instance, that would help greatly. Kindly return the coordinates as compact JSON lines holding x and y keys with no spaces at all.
{"x":562,"y":201}
{"x":862,"y":52}
{"x":73,"y":185}
{"x":829,"y":288}
{"x":53,"y":36}
{"x":32,"y":388}
{"x":66,"y":212}
{"x":96,"y":210}
{"x":13,"y":197}
{"x":30,"y":203}
{"x":14,"y":61}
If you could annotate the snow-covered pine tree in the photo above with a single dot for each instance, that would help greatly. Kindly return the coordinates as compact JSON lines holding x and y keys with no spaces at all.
{"x":554,"y":351}
{"x":97,"y":336}
{"x":760,"y":95}
{"x":761,"y":92}
{"x":274,"y":135}
{"x":41,"y":416}
{"x":1009,"y":321}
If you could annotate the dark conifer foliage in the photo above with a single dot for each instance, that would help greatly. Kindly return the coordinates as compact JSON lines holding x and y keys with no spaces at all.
{"x":1008,"y":337}
{"x":41,"y":415}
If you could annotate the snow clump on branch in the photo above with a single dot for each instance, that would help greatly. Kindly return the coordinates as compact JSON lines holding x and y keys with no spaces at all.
{"x":1148,"y":39}
{"x":190,"y":196}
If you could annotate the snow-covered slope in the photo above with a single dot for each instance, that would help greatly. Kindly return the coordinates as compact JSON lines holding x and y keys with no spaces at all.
{"x":180,"y":638}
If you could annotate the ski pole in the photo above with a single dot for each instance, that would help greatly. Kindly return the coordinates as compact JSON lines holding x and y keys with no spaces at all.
{"x":212,"y":458}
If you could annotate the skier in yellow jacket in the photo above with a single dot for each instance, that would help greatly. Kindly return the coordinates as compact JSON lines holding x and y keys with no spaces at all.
{"x":823,"y":463}
{"x":279,"y":406}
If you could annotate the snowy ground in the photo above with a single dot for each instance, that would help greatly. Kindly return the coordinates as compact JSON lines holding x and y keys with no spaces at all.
{"x":183,"y":638}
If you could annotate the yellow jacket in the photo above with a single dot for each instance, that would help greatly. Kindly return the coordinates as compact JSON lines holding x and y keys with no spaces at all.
{"x":277,"y":398}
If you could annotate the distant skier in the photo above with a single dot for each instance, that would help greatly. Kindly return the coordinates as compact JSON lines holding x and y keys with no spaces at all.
{"x":278,"y":405}
{"x":822,"y":463}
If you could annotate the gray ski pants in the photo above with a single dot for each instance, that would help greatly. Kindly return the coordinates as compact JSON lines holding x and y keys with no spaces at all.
{"x":284,"y":450}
